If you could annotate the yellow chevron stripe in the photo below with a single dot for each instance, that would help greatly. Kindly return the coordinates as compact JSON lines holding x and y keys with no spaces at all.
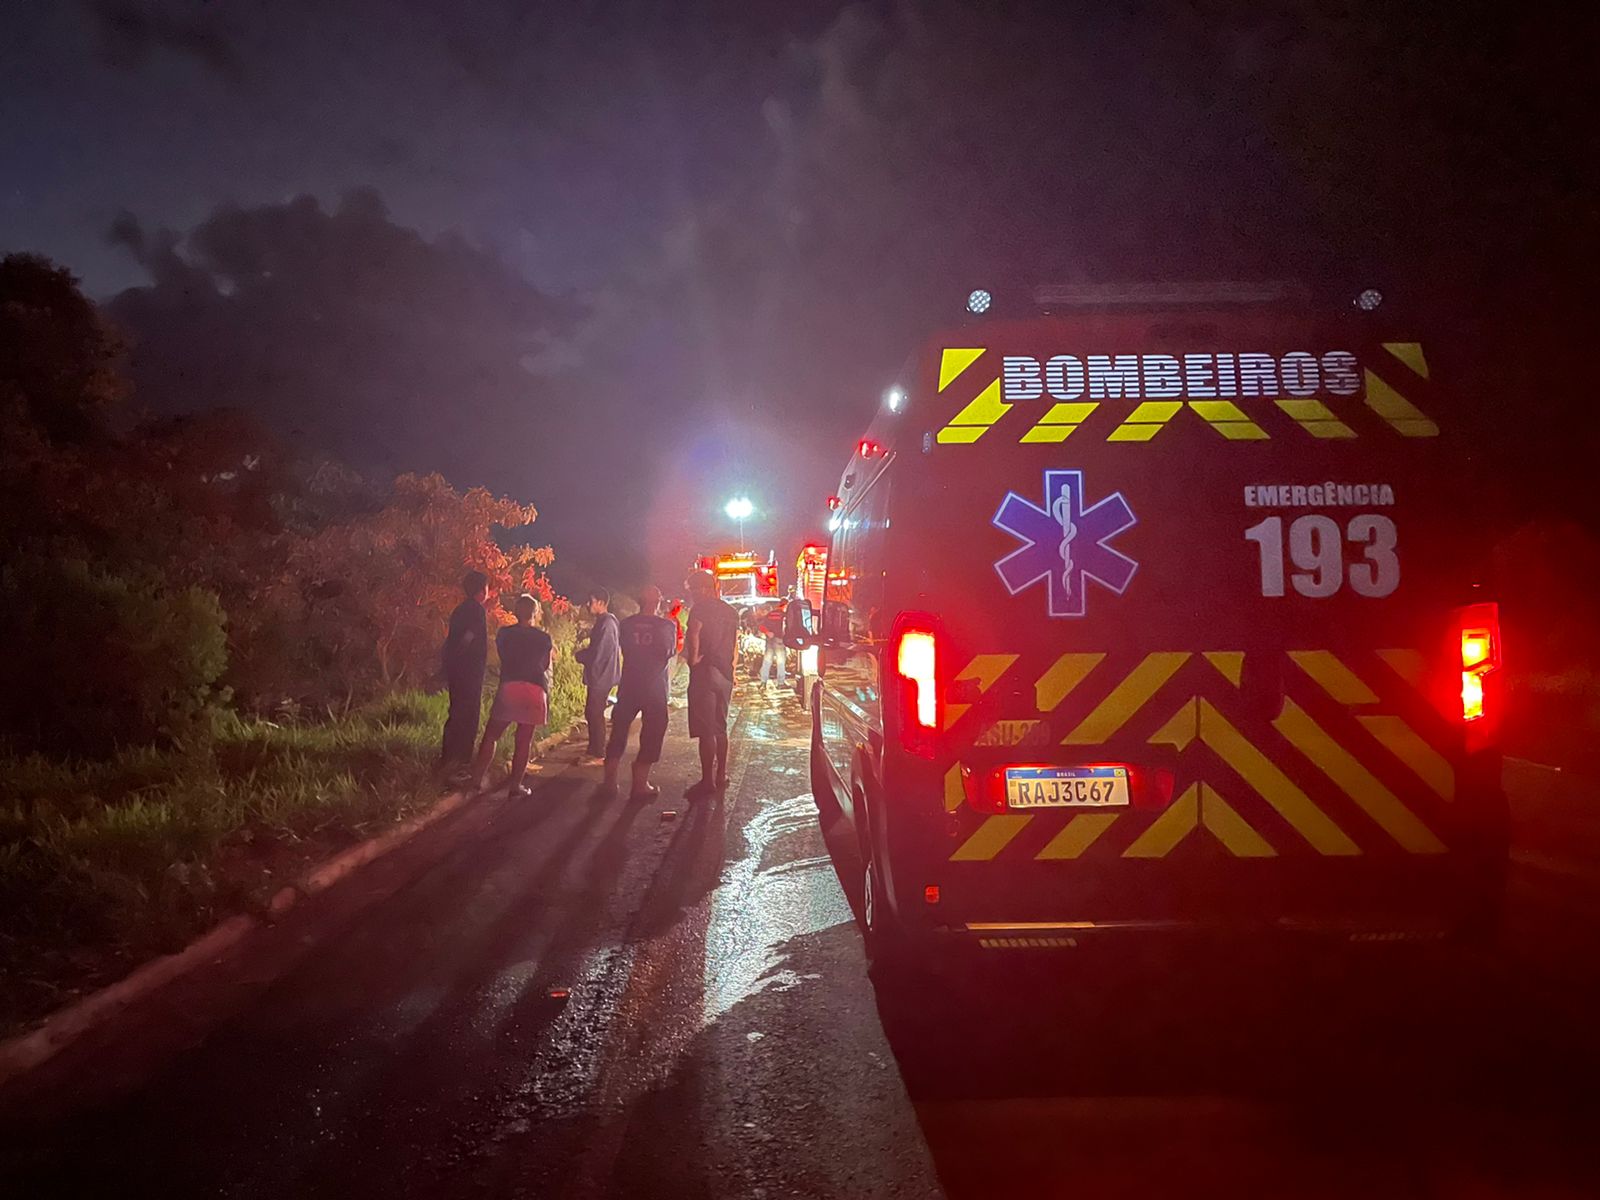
{"x":1060,"y":420}
{"x":1273,"y":786}
{"x":1200,"y":804}
{"x":993,"y":836}
{"x":1167,"y":830}
{"x":1408,"y":746}
{"x":954,"y":361}
{"x":1229,"y":828}
{"x":1229,"y":420}
{"x":1360,"y":784}
{"x":1408,"y":664}
{"x":1145,"y":421}
{"x":1229,"y":662}
{"x":1180,"y":728}
{"x":961,"y":434}
{"x":1406,"y":417}
{"x":1338,"y":680}
{"x":1127,"y":698}
{"x":986,"y":669}
{"x":954,"y":794}
{"x":1316,"y":418}
{"x":1066,"y":673}
{"x":1409,"y":353}
{"x":983,"y":409}
{"x":1077,"y":835}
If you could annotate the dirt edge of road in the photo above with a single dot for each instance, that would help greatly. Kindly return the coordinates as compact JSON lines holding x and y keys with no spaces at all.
{"x":26,"y":1051}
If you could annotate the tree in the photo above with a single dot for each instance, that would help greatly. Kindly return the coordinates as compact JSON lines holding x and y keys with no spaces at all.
{"x":60,"y":360}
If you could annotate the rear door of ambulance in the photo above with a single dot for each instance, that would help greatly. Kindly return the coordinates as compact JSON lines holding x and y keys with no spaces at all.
{"x":1199,"y":585}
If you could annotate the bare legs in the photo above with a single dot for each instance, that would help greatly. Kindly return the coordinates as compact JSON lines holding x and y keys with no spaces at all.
{"x":519,"y":761}
{"x":714,"y":761}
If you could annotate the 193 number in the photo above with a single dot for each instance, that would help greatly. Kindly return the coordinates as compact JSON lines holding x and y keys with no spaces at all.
{"x":1316,"y":547}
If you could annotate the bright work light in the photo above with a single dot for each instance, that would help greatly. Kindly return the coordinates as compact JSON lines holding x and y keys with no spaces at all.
{"x":1369,"y":300}
{"x":979,"y":301}
{"x":739,"y":508}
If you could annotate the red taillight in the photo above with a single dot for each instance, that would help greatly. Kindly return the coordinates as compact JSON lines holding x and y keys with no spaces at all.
{"x":834,"y":503}
{"x":915,"y":654}
{"x":869,"y":448}
{"x":917,"y":661}
{"x":1480,"y":655}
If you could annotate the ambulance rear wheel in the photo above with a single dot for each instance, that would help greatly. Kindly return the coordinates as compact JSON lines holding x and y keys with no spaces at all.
{"x":888,"y":958}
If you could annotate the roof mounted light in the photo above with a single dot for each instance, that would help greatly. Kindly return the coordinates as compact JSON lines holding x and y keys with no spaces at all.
{"x":978,"y":301}
{"x":894,"y":398}
{"x":1368,"y":300}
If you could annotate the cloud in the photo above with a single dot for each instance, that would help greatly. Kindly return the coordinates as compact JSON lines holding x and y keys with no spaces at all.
{"x":130,"y":33}
{"x":357,"y":334}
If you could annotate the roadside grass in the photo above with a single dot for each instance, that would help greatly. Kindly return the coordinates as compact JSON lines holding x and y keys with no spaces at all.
{"x":104,"y":864}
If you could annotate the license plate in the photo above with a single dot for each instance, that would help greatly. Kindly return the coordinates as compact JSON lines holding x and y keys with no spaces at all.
{"x":1066,"y":787}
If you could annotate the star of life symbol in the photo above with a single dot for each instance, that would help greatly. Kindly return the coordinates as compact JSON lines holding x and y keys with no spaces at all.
{"x":1065,"y":543}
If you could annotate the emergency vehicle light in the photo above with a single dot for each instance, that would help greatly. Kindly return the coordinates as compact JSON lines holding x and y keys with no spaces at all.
{"x":834,"y":503}
{"x":894,"y":397}
{"x":978,"y":301}
{"x":870,"y":449}
{"x":914,"y":651}
{"x":915,"y":660}
{"x":1368,"y":300}
{"x":1480,"y":655}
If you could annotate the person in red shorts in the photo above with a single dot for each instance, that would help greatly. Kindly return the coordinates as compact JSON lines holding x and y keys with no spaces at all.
{"x":523,"y":698}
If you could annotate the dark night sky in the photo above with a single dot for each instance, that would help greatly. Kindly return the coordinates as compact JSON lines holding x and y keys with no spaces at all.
{"x":704,"y":234}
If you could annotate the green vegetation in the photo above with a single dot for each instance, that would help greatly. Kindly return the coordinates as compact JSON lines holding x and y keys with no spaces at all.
{"x":213,"y":645}
{"x":106,"y":862}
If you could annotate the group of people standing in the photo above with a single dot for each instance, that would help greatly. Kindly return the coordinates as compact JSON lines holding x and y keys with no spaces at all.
{"x":635,"y":656}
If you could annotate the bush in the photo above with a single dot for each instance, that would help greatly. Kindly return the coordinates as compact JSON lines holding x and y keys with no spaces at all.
{"x":105,"y":659}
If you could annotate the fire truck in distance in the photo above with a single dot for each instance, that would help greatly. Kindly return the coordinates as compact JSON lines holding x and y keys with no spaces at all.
{"x":811,"y":571}
{"x":743,"y":580}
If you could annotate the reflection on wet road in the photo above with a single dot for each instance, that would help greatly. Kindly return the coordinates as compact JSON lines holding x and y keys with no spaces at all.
{"x":573,"y":996}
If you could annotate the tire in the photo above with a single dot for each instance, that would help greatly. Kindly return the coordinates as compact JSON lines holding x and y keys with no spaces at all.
{"x":889,"y":958}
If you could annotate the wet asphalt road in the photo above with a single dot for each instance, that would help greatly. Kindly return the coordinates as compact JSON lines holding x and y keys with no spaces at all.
{"x":719,"y":1037}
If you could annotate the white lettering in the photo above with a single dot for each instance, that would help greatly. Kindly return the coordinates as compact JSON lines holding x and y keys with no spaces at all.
{"x":1363,"y":494}
{"x":1299,"y":493}
{"x":1300,"y":374}
{"x":1341,"y":374}
{"x":1314,"y":495}
{"x":1385,"y":494}
{"x":1258,"y":375}
{"x":1227,"y":377}
{"x":1346,"y":494}
{"x":1113,"y":380}
{"x":1250,"y":496}
{"x":1198,"y":374}
{"x":1162,"y":377}
{"x":1171,"y":376}
{"x":1063,"y":377}
{"x":1021,"y":378}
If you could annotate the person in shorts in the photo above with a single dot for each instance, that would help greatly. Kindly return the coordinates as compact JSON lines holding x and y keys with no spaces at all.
{"x":523,"y":698}
{"x":649,"y":642}
{"x":713,"y":637}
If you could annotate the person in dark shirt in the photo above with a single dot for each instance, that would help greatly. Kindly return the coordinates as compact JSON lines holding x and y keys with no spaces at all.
{"x":523,"y":698}
{"x":602,"y":668}
{"x":712,"y":641}
{"x":466,"y":655}
{"x":649,"y":642}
